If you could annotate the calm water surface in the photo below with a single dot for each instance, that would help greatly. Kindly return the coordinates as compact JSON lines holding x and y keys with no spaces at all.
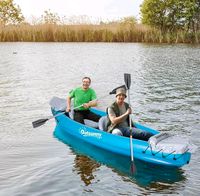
{"x":165,"y":94}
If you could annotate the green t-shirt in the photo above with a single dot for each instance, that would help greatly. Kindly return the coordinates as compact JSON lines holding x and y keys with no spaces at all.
{"x":82,"y":96}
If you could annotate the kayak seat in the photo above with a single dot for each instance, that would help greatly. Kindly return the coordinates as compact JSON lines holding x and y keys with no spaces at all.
{"x":168,"y":143}
{"x":91,"y":123}
{"x":87,"y":122}
{"x":103,"y":121}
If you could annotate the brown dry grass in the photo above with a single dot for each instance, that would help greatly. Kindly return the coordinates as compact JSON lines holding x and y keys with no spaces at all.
{"x":114,"y":32}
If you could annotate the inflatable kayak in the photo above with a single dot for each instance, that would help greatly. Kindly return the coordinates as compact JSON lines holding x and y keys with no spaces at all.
{"x":161,"y":149}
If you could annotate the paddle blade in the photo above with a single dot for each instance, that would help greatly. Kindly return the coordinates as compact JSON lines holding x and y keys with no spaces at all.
{"x":58,"y":104}
{"x":127,"y":80}
{"x":39,"y":122}
{"x":115,"y":89}
{"x":132,"y":168}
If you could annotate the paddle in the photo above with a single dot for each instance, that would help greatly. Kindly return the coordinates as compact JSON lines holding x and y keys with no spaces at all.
{"x":127,"y":80}
{"x":115,"y":89}
{"x":42,"y":121}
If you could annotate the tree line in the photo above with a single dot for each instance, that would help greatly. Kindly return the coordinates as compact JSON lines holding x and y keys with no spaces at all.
{"x":172,"y":15}
{"x":161,"y":21}
{"x":11,"y":14}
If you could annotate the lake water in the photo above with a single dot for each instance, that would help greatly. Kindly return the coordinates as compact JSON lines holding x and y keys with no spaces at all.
{"x":165,"y":95}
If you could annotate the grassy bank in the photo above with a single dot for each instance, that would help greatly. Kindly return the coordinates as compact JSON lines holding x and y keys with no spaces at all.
{"x":93,"y":33}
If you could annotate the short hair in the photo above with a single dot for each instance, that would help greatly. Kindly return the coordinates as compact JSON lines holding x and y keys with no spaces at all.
{"x":86,"y":78}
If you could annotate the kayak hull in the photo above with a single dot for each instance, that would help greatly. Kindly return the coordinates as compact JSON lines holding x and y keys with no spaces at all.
{"x":117,"y":145}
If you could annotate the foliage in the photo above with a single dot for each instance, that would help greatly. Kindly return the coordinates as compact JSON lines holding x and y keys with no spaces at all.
{"x":128,"y":22}
{"x":10,"y":13}
{"x":50,"y":17}
{"x":171,"y":15}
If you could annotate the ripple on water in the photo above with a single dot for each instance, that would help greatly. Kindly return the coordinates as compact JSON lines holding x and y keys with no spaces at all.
{"x":164,"y":94}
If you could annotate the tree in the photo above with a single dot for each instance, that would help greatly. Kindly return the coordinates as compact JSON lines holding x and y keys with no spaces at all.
{"x":152,"y":12}
{"x":50,"y":17}
{"x":194,"y":20}
{"x":128,"y":21}
{"x":170,"y":14}
{"x":10,"y":13}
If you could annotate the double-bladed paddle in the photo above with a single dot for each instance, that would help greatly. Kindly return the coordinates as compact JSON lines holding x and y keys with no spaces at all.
{"x":42,"y":121}
{"x":127,"y":80}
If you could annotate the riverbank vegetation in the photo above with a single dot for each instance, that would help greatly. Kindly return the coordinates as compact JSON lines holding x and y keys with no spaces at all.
{"x":93,"y":33}
{"x":172,"y":21}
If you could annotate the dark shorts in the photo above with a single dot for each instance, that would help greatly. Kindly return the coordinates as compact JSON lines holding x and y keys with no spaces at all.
{"x":80,"y":115}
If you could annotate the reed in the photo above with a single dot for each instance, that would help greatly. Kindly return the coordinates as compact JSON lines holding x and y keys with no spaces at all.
{"x":114,"y":32}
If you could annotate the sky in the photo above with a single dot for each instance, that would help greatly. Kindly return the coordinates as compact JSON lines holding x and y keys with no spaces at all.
{"x":104,"y":9}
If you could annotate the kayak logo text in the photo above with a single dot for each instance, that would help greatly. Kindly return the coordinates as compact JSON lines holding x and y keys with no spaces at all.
{"x":86,"y":133}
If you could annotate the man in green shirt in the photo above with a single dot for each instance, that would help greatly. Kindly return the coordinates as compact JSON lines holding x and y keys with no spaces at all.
{"x":85,"y":97}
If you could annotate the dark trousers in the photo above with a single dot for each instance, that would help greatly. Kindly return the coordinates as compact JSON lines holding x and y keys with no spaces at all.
{"x":136,"y":133}
{"x":80,"y":115}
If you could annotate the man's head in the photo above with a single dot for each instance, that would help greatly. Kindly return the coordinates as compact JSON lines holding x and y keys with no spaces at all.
{"x":121,"y":92}
{"x":86,"y":83}
{"x":120,"y":95}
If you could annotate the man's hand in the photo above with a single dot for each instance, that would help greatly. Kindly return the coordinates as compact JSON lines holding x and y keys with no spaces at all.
{"x":68,"y":110}
{"x":86,"y":105}
{"x":129,"y":111}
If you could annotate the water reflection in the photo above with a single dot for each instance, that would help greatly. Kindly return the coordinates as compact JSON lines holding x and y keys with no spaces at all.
{"x":89,"y":158}
{"x":157,"y":177}
{"x":85,"y":167}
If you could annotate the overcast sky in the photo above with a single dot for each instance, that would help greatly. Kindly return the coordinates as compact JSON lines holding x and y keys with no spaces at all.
{"x":105,"y":9}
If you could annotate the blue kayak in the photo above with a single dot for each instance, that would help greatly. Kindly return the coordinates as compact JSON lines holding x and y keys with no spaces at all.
{"x":159,"y":150}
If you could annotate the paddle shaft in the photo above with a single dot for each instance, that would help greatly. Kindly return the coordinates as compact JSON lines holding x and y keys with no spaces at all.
{"x":64,"y":112}
{"x":130,"y":127}
{"x":73,"y":109}
{"x":40,"y":122}
{"x":127,"y":80}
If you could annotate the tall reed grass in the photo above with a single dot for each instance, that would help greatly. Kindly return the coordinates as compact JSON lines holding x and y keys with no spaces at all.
{"x":93,"y":33}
